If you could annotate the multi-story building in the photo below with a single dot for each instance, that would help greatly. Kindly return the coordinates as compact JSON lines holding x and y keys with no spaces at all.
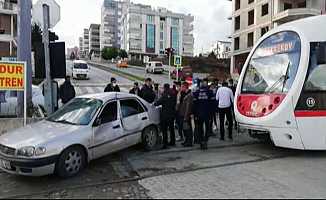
{"x":94,"y":40}
{"x":86,"y":42}
{"x":253,"y":18}
{"x":148,"y":32}
{"x":81,"y":47}
{"x":8,"y":28}
{"x":111,"y":16}
{"x":222,"y":49}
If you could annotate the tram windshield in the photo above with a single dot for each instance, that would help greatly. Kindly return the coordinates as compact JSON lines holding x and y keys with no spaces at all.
{"x":274,"y":65}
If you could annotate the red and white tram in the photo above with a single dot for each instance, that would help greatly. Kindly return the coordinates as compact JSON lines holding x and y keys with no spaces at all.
{"x":282,"y":88}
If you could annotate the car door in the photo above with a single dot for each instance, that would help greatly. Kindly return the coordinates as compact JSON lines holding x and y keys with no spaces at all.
{"x":134,"y":119}
{"x":107,"y":131}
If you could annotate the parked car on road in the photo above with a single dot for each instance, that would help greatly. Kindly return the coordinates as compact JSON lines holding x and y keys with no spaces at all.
{"x":154,"y":67}
{"x":183,"y":74}
{"x":86,"y":128}
{"x":80,"y":70}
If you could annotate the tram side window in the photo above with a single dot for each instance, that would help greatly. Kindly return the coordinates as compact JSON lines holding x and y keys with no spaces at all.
{"x":316,"y":77}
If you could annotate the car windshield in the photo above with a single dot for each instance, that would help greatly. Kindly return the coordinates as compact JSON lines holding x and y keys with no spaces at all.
{"x":158,"y":65}
{"x":79,"y":111}
{"x":274,"y":65}
{"x":80,"y":66}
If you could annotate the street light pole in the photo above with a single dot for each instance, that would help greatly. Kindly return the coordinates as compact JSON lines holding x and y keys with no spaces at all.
{"x":24,"y":50}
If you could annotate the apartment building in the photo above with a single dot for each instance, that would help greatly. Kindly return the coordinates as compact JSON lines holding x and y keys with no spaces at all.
{"x":94,"y":40}
{"x":253,"y":18}
{"x":81,"y":47}
{"x":8,"y":28}
{"x":86,"y":42}
{"x":148,"y":32}
{"x":111,"y":16}
{"x":222,"y":49}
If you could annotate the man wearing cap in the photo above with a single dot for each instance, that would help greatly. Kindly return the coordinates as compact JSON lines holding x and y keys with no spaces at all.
{"x":112,"y":87}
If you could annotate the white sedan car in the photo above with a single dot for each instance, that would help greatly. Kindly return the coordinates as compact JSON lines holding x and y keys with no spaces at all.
{"x":86,"y":128}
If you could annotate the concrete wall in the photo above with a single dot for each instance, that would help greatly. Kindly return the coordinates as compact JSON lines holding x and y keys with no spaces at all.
{"x":7,"y":125}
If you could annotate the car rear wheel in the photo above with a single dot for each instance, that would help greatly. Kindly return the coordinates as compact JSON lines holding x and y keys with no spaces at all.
{"x":71,"y":162}
{"x":150,"y":138}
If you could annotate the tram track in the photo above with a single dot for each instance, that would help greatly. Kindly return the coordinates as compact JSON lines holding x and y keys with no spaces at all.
{"x":137,"y":177}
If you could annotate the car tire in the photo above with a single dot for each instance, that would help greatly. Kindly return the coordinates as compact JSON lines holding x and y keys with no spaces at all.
{"x":71,"y":162}
{"x":150,"y":138}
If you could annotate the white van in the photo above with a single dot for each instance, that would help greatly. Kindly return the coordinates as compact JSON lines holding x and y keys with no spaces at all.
{"x":154,"y":67}
{"x":80,"y":70}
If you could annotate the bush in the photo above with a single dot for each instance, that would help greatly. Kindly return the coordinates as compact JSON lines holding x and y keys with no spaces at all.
{"x":110,"y":53}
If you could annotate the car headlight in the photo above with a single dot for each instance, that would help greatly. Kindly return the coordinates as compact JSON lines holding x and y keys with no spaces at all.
{"x":26,"y":151}
{"x":31,"y":151}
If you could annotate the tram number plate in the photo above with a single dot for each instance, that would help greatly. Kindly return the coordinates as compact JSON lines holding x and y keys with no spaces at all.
{"x":5,"y":164}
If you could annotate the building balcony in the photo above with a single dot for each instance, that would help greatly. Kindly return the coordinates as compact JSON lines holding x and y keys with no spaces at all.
{"x":8,"y":8}
{"x":295,"y":14}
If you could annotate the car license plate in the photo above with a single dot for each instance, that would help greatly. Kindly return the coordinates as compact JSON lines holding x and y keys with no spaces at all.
{"x":5,"y":164}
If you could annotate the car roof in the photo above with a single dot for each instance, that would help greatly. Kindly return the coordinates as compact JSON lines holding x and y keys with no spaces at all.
{"x":106,"y":96}
{"x":80,"y":61}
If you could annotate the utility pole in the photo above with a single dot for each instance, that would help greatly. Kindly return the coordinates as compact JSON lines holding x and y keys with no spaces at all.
{"x":24,"y":50}
{"x":48,"y":82}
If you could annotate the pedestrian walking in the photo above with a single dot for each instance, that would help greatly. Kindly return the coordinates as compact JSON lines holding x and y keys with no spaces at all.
{"x":168,"y":103}
{"x":203,"y":99}
{"x":157,"y":91}
{"x":147,"y":93}
{"x":225,"y":99}
{"x":67,"y":91}
{"x":135,"y":90}
{"x":112,"y":86}
{"x":185,"y":112}
{"x":233,"y":87}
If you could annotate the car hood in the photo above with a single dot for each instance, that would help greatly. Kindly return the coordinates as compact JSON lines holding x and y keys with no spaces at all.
{"x":36,"y":134}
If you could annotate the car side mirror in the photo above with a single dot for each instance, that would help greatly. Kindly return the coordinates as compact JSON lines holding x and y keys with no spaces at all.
{"x":97,"y":122}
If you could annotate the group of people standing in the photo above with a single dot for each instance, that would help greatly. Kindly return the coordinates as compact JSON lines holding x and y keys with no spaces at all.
{"x":182,"y":106}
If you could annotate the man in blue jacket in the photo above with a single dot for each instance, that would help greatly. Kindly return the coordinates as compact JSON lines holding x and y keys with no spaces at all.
{"x":203,"y":99}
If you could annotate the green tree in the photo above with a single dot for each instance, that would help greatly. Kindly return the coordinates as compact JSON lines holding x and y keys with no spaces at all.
{"x":123,"y":53}
{"x":109,"y":53}
{"x":36,"y":35}
{"x":212,"y":55}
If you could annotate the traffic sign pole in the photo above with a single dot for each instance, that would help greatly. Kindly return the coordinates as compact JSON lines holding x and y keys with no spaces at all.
{"x":48,"y":82}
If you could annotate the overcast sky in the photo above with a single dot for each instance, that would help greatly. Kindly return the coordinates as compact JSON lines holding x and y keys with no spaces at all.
{"x":210,"y":24}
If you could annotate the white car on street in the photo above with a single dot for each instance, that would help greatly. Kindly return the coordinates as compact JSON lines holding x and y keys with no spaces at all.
{"x":80,"y":70}
{"x":86,"y":128}
{"x":154,"y":67}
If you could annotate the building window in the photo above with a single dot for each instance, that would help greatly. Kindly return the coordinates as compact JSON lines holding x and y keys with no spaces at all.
{"x":162,"y":26}
{"x":175,"y":22}
{"x":264,"y":30}
{"x":251,"y":17}
{"x":287,"y":6}
{"x":236,"y":43}
{"x":237,"y":4}
{"x":175,"y":44}
{"x":302,"y":4}
{"x":237,"y":23}
{"x":161,"y":45}
{"x":250,"y":1}
{"x":250,"y":39}
{"x":264,"y":9}
{"x":150,"y":38}
{"x":161,"y":35}
{"x":150,"y":19}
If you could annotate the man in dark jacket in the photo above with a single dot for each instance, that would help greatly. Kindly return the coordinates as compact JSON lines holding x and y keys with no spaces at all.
{"x":135,"y":90}
{"x":147,"y":93}
{"x":67,"y":91}
{"x":203,"y":99}
{"x":112,"y":87}
{"x":168,"y":103}
{"x":185,"y":112}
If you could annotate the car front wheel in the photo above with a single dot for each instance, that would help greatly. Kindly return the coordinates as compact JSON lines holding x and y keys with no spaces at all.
{"x":150,"y":138}
{"x":71,"y":162}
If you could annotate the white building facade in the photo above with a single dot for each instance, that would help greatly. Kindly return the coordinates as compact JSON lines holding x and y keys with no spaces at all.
{"x":222,"y":49}
{"x":86,"y":42}
{"x":148,"y":32}
{"x":253,"y":18}
{"x":8,"y":27}
{"x":94,"y":40}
